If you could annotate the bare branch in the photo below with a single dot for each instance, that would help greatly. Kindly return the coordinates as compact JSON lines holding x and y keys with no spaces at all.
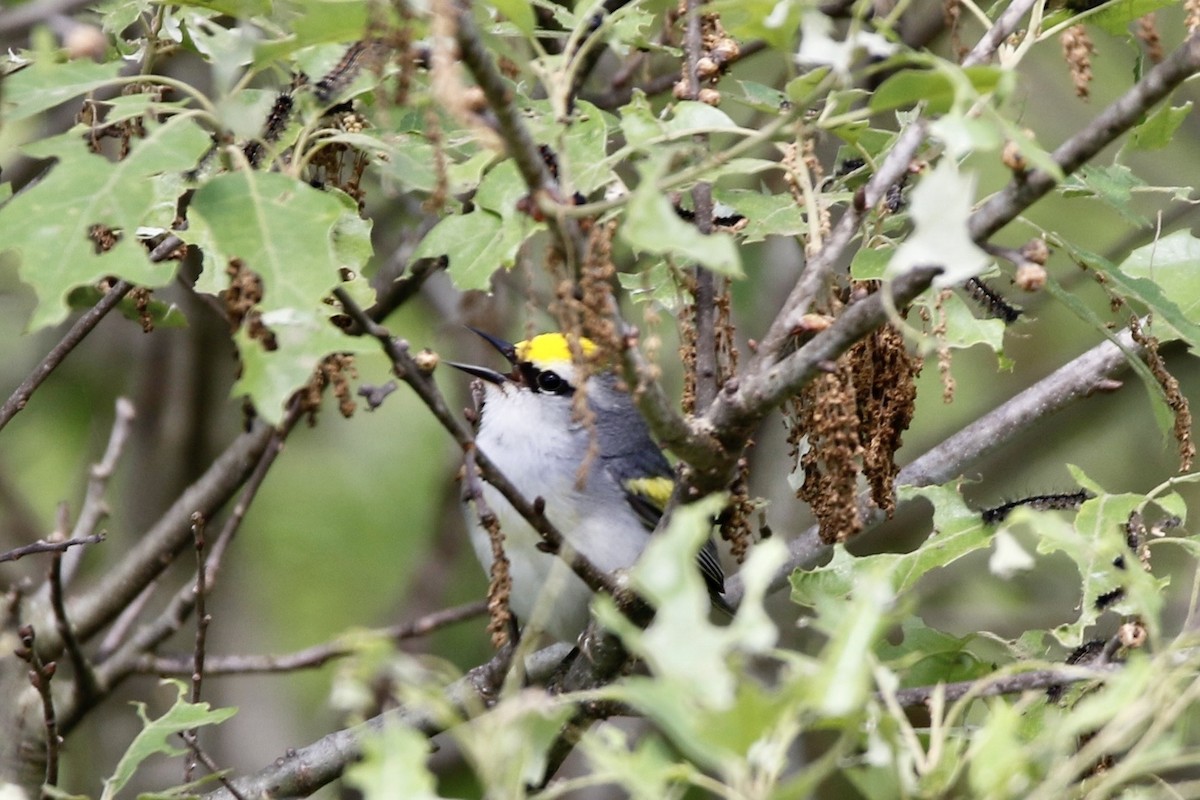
{"x":198,"y":754}
{"x":303,"y":771}
{"x":125,"y":656}
{"x":44,"y":546}
{"x":993,"y":686}
{"x":40,"y":674}
{"x":202,"y":620}
{"x":81,"y":327}
{"x":310,"y":657}
{"x":74,"y":335}
{"x":1001,"y":29}
{"x":85,"y":678}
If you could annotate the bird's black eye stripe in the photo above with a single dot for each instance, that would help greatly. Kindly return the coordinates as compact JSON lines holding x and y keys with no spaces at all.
{"x":544,"y":380}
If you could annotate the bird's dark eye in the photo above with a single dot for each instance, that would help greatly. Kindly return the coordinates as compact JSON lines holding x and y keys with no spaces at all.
{"x":552,"y":382}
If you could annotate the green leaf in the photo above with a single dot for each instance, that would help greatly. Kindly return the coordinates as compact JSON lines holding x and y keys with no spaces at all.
{"x":83,"y":190}
{"x":1159,"y":128}
{"x":1114,"y":17}
{"x":941,"y":205}
{"x":519,"y":13}
{"x":296,"y":239}
{"x":153,"y":737}
{"x":280,"y":228}
{"x":870,"y":263}
{"x":1113,"y":185}
{"x":1168,"y":280}
{"x":1160,"y":275}
{"x":938,"y":89}
{"x":510,"y":744}
{"x":44,"y":85}
{"x":239,"y":9}
{"x":394,"y":764}
{"x":652,"y":226}
{"x":476,"y":244}
{"x":766,"y":214}
{"x":957,"y":531}
{"x":799,"y":89}
{"x":761,"y":97}
{"x":316,"y":22}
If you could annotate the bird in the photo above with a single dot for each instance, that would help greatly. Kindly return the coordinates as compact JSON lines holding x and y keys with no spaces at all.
{"x":602,"y":478}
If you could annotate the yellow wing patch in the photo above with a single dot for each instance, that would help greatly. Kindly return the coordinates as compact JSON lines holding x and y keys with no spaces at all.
{"x":548,"y":348}
{"x":656,"y":490}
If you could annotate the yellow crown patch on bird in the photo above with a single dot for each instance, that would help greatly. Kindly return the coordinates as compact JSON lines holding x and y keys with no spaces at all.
{"x":549,"y":348}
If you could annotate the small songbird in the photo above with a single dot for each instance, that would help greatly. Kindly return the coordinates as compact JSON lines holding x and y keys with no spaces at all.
{"x":528,"y":426}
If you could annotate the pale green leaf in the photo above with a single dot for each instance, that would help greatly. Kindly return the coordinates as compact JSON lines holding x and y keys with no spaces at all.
{"x":1114,"y":17}
{"x":1158,"y":130}
{"x":1171,"y":266}
{"x":941,"y":206}
{"x":394,"y":764}
{"x":519,"y":13}
{"x":83,"y":190}
{"x":939,"y":89}
{"x":44,"y":85}
{"x":1112,"y":184}
{"x":154,"y":736}
{"x":766,"y":214}
{"x":652,"y":226}
{"x":476,"y":244}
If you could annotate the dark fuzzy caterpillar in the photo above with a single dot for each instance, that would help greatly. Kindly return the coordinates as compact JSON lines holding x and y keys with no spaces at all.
{"x":360,"y":54}
{"x":1038,"y":502}
{"x":992,"y":301}
{"x":1106,"y":599}
{"x":276,"y":123}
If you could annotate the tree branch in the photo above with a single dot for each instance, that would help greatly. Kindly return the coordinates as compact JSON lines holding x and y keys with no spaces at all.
{"x":44,"y":546}
{"x":995,"y":685}
{"x":310,"y":657}
{"x":1074,"y":380}
{"x":1023,"y":191}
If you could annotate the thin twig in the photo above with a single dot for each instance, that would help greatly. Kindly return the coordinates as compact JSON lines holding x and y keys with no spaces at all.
{"x":121,"y":662}
{"x":202,"y":620}
{"x":40,"y":674}
{"x":75,"y":334}
{"x":43,"y":546}
{"x":85,"y":678}
{"x":517,"y":138}
{"x":304,"y":770}
{"x":198,"y":754}
{"x":987,"y":434}
{"x":310,"y":657}
{"x":406,"y":287}
{"x":95,"y":508}
{"x":1020,"y":193}
{"x":993,"y":686}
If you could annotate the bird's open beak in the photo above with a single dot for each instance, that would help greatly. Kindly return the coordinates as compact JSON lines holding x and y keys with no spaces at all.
{"x":485,"y":373}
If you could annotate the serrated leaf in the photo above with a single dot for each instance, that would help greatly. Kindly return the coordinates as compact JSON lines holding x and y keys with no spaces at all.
{"x":1112,"y":184}
{"x":44,"y":85}
{"x":766,"y":214}
{"x":280,"y":228}
{"x":652,"y":226}
{"x":957,"y":531}
{"x":296,"y":239}
{"x":152,"y":739}
{"x":941,"y":205}
{"x":476,"y":245}
{"x":1159,"y":128}
{"x":83,"y":190}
